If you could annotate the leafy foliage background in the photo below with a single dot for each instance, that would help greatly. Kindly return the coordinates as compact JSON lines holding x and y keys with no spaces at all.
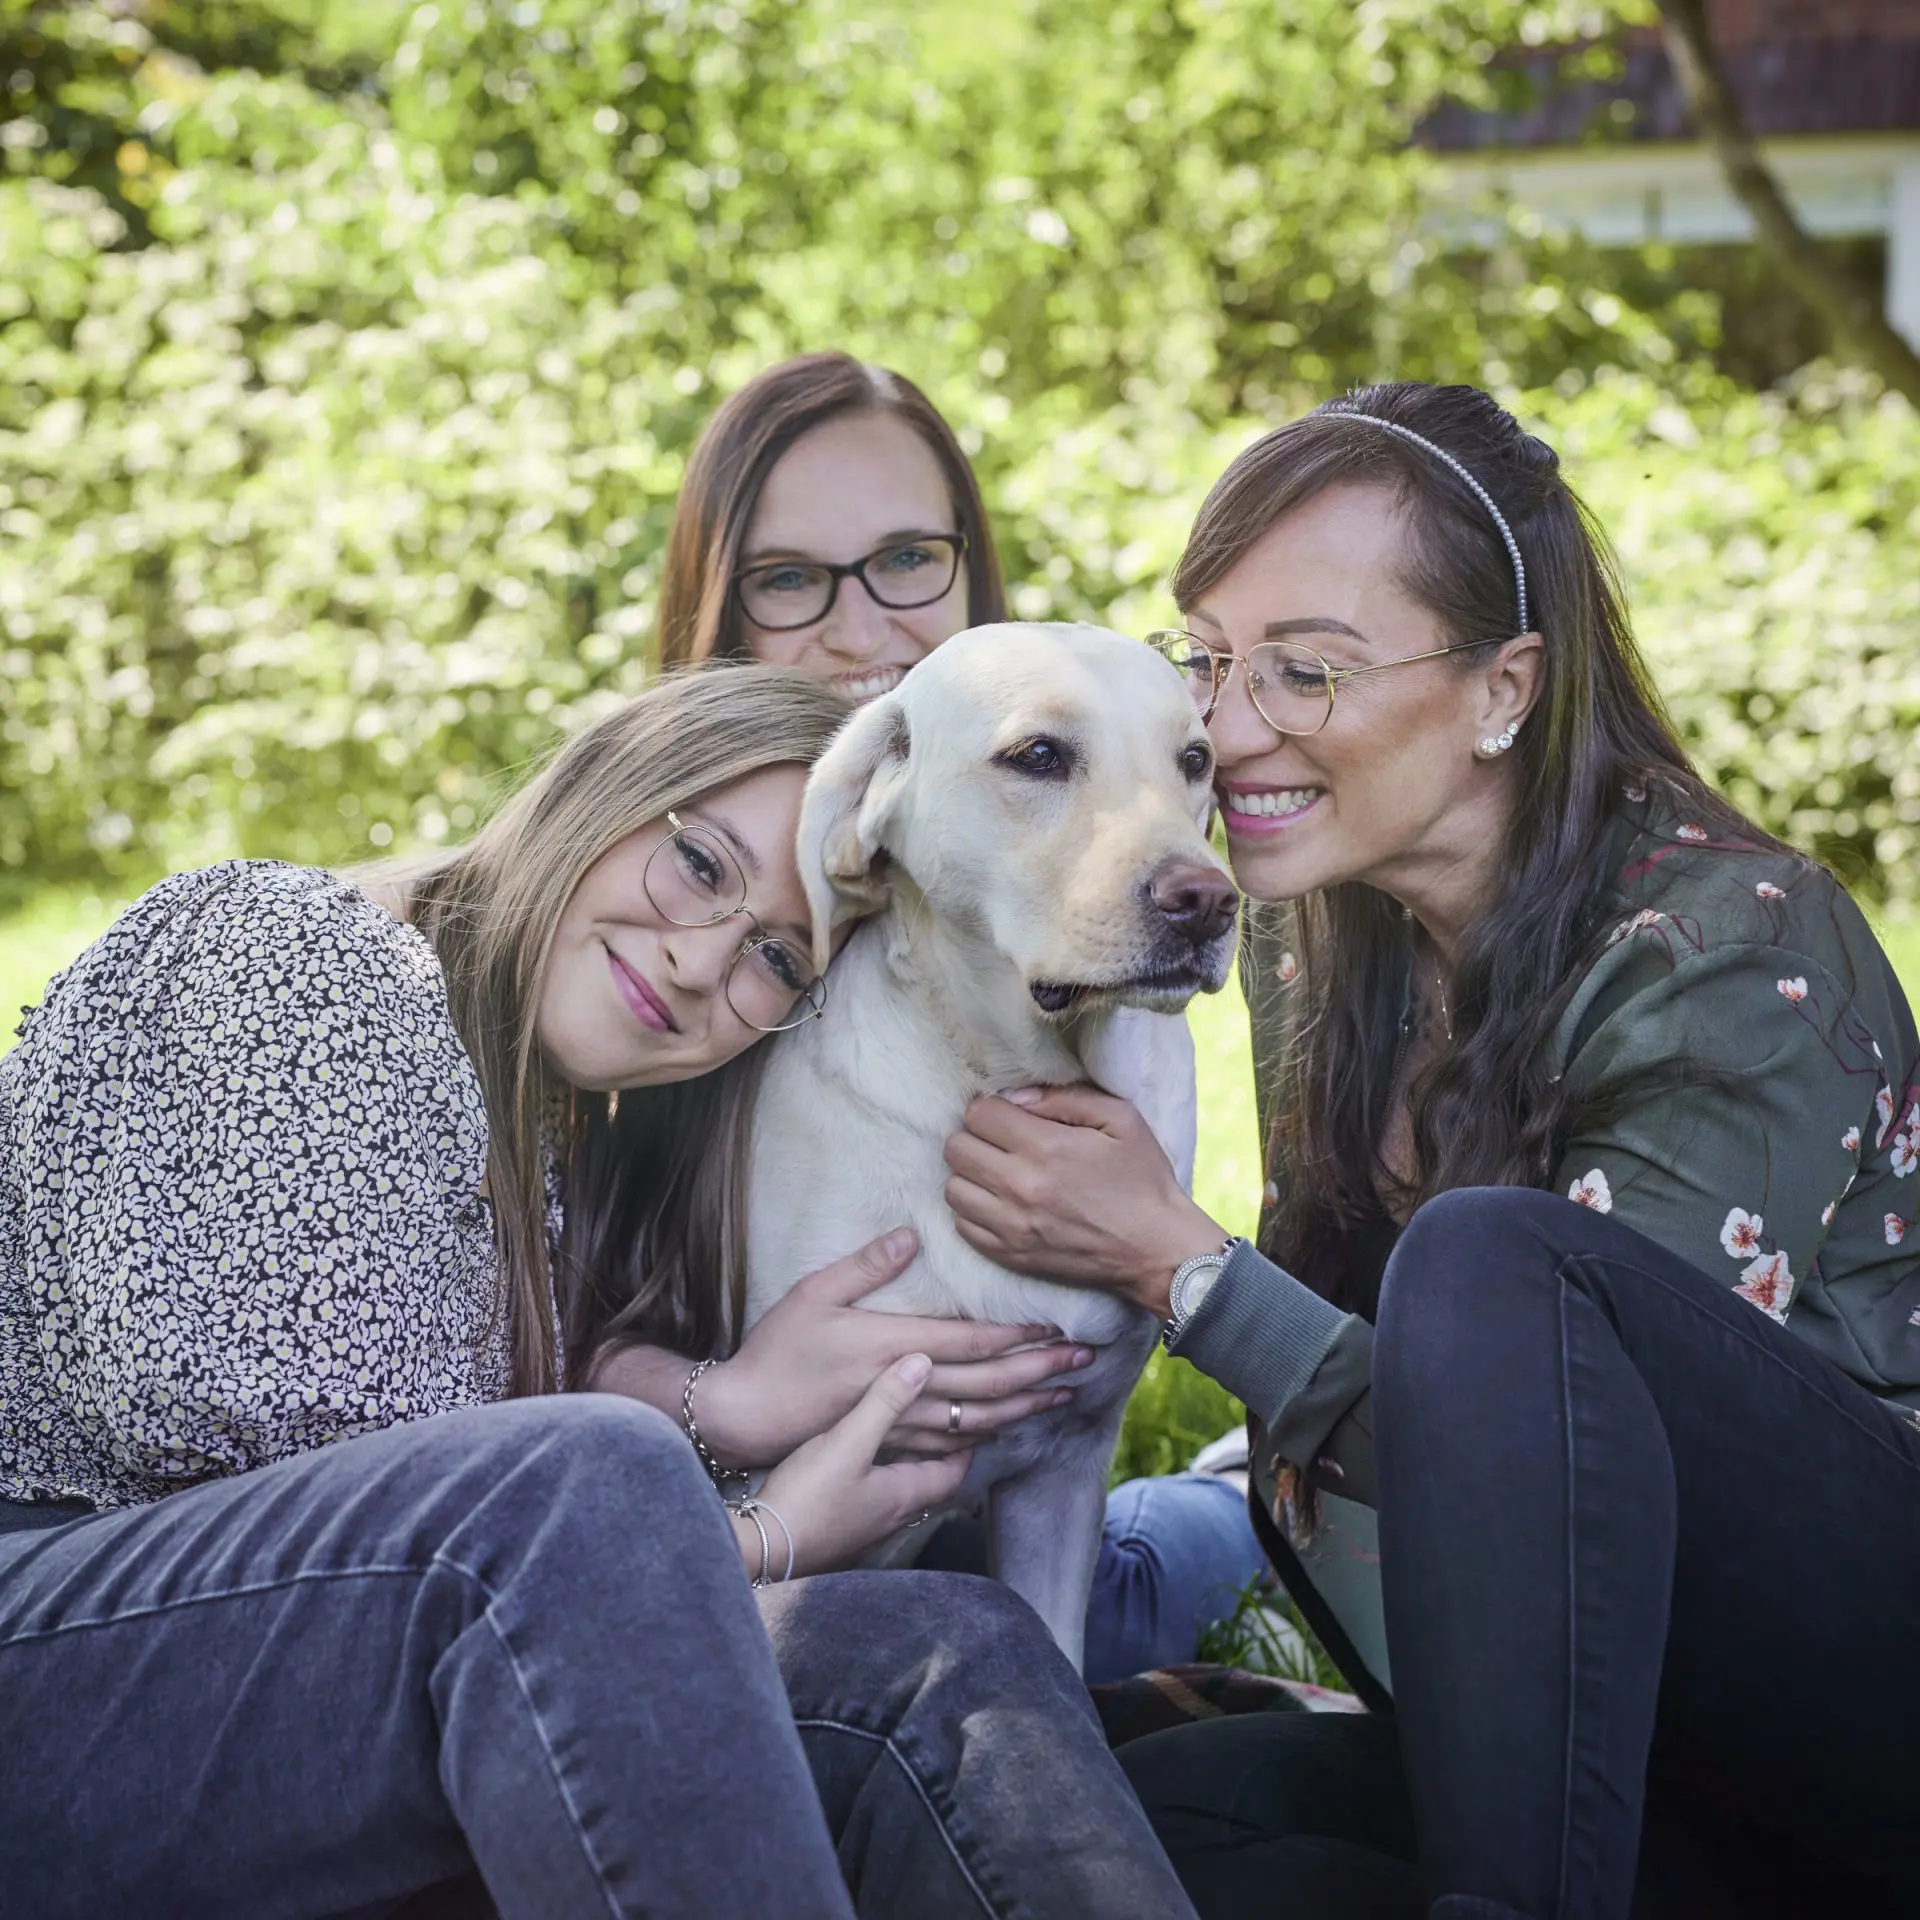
{"x":350,"y":352}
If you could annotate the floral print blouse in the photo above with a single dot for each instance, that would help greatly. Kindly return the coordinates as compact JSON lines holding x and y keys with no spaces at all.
{"x":1787,"y":1166}
{"x":241,"y":1216}
{"x":1796,"y":1181}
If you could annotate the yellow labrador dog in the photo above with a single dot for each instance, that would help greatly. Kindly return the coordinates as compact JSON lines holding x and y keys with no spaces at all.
{"x":1024,"y":822}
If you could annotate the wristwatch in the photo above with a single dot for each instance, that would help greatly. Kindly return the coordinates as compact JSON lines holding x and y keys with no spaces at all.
{"x":1192,"y":1282}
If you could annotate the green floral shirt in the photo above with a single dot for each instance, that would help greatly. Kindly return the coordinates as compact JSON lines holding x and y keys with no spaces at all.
{"x":1798,"y":1184}
{"x":1788,"y":1166}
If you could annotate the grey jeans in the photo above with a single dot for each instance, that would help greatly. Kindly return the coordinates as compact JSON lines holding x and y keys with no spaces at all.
{"x":519,"y":1641}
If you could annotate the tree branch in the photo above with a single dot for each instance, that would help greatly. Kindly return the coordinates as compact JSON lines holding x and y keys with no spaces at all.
{"x":1851,"y":309}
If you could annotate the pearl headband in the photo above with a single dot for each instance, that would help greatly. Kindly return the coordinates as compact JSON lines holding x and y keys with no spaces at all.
{"x":1485,"y":498}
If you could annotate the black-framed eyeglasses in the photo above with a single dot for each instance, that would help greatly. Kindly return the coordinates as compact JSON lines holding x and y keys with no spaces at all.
{"x":1291,"y":686}
{"x":693,"y":880}
{"x":784,"y":594}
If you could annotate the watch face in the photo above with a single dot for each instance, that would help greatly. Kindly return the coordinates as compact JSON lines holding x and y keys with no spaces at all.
{"x":1198,"y":1286}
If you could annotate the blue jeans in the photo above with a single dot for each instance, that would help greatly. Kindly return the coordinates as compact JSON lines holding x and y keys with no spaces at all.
{"x":519,"y":1640}
{"x":1649,"y":1567}
{"x":1178,"y":1553}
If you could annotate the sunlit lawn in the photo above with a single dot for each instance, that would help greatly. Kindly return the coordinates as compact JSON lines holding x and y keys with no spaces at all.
{"x":1175,"y":1410}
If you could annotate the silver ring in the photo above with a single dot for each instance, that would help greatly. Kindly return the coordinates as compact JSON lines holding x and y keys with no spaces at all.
{"x":920,"y":1519}
{"x":953,"y":1416}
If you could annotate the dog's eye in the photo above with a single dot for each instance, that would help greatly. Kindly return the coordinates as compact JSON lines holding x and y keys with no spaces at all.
{"x":1196,"y":760}
{"x":1045,"y":759}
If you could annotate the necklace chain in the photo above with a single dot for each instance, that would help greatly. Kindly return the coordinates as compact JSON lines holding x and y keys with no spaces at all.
{"x":1409,"y":1025}
{"x":1440,"y":987}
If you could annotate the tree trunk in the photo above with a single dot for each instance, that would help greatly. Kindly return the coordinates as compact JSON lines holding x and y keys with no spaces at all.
{"x":1850,"y":309}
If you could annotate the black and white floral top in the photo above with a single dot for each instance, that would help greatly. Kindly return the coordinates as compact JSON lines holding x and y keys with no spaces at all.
{"x":241,"y":1216}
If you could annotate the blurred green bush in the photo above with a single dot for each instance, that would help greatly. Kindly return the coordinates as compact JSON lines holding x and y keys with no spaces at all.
{"x":350,"y":353}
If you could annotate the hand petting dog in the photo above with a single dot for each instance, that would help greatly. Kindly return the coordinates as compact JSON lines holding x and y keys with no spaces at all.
{"x":812,"y":1356}
{"x":836,"y":1495}
{"x":1068,"y":1183}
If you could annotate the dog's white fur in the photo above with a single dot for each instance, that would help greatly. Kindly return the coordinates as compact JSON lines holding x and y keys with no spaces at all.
{"x":985,"y":879}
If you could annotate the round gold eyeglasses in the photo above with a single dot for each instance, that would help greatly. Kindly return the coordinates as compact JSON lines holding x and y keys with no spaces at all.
{"x":1291,"y":686}
{"x":693,"y":880}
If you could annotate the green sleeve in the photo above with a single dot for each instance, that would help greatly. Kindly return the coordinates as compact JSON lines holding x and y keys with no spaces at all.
{"x":1725,"y":1100}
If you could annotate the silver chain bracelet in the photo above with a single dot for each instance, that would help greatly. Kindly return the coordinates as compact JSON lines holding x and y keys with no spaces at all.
{"x":743,"y":1505}
{"x":718,"y":1474}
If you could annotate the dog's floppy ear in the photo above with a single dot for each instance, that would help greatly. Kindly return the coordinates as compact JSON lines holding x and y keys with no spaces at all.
{"x":843,"y":820}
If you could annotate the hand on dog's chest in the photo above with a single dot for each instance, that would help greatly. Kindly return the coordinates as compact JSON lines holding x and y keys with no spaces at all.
{"x":978,"y":1290}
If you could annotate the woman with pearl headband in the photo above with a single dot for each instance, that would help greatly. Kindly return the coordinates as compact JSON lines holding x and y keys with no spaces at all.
{"x":1582,"y":1335}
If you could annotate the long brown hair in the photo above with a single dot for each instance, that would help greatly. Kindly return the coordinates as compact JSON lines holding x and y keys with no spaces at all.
{"x":700,"y":617}
{"x":652,"y":1181}
{"x":1487,"y":1112}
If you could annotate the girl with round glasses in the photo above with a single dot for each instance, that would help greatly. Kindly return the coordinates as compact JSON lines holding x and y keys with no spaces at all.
{"x":830,"y":521}
{"x":1583,"y":1332}
{"x":334,"y":1567}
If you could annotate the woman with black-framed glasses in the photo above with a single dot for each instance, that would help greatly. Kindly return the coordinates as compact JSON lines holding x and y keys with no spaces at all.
{"x":830,"y":521}
{"x":1582,"y":1337}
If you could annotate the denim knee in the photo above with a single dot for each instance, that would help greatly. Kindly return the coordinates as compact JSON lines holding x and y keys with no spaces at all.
{"x":1467,"y":1258}
{"x":622,"y":1425}
{"x":1462,"y":1244}
{"x":978,"y":1618}
{"x":591,"y":1475}
{"x":606,"y":1444}
{"x":978,"y":1634}
{"x":1475,"y":1222}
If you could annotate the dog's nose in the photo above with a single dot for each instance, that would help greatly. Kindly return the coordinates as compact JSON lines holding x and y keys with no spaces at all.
{"x":1200,"y":901}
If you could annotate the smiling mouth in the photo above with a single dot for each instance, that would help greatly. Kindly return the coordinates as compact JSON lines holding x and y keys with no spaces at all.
{"x":646,"y":1005}
{"x":1279,"y":803}
{"x":1056,"y":997}
{"x":870,"y":683}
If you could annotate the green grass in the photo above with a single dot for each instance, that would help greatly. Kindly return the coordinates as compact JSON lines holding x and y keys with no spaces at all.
{"x":1267,"y":1633}
{"x":1175,"y":1411}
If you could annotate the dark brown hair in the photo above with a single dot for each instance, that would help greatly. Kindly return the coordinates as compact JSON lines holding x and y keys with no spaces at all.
{"x":1487,"y":1112}
{"x":699,"y":615}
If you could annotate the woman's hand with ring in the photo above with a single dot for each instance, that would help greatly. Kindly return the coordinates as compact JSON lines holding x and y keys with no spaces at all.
{"x":837,"y":1494}
{"x":805,"y":1364}
{"x":970,"y":1402}
{"x":1068,"y":1183}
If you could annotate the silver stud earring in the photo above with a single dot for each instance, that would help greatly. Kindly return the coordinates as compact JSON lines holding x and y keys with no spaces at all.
{"x":1489,"y":746}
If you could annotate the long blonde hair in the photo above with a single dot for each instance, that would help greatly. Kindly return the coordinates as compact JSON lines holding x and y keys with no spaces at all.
{"x":654,"y":1180}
